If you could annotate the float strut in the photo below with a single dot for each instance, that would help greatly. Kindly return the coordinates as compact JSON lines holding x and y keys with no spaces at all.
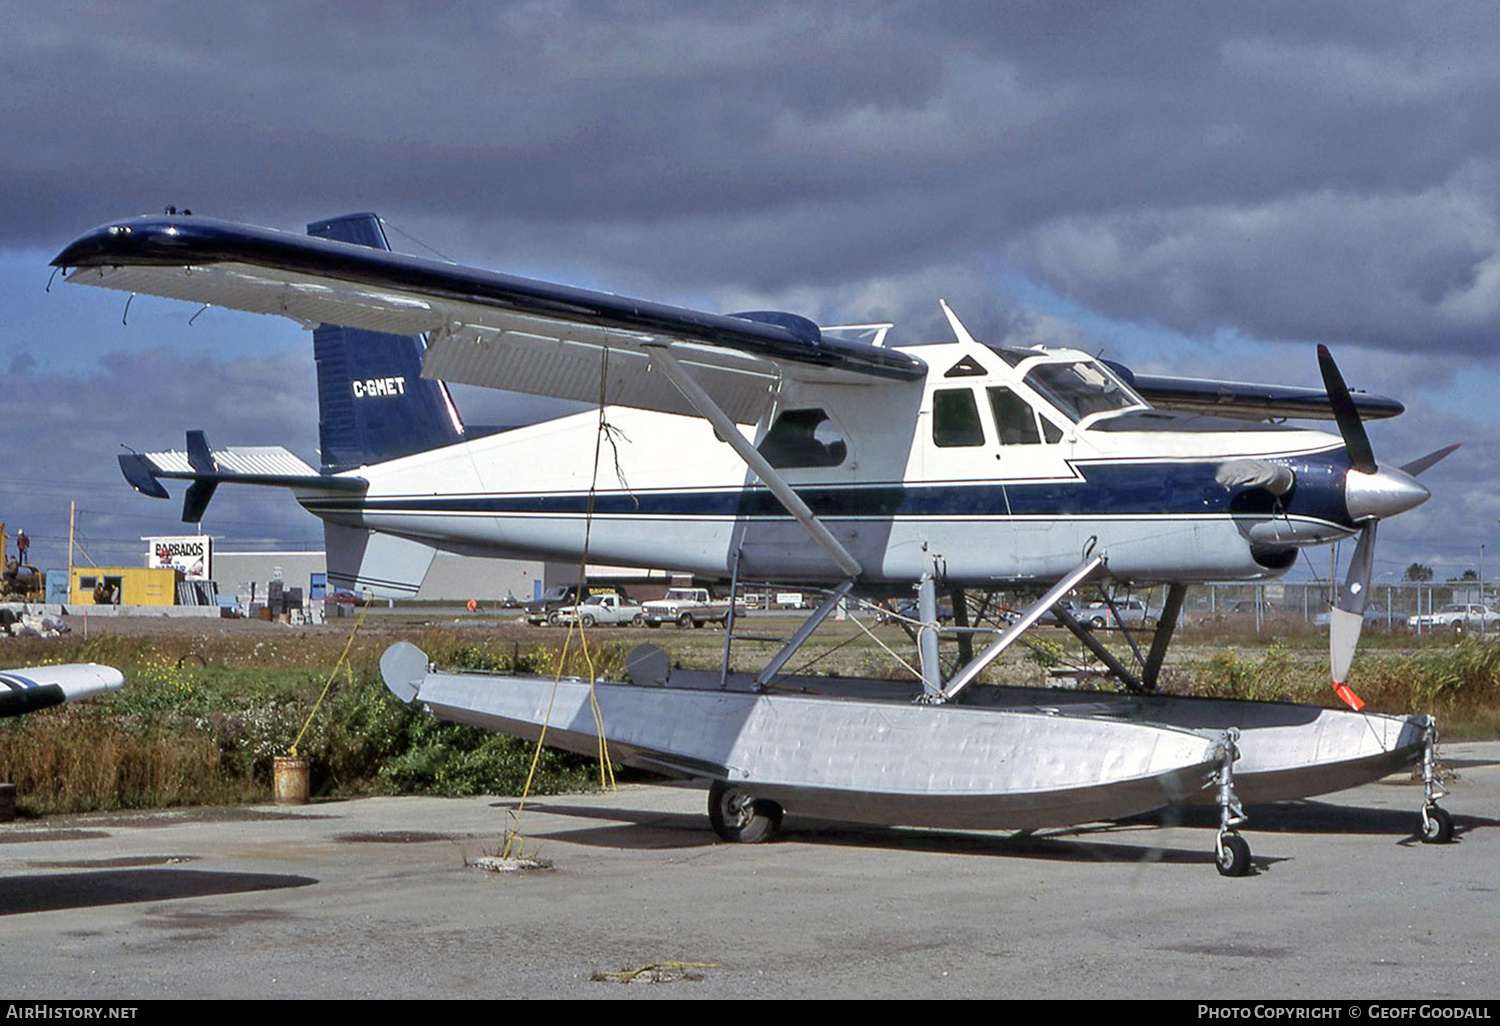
{"x":964,"y":677}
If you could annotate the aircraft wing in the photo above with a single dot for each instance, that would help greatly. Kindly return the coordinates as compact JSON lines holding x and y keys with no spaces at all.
{"x":483,"y":328}
{"x":1247,"y":399}
{"x":38,"y":687}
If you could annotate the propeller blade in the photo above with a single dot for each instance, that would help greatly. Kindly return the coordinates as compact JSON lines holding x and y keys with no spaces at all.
{"x":1361,"y":568}
{"x":1361,"y":455}
{"x":1418,"y":466}
{"x":1343,"y":639}
{"x":1348,"y":618}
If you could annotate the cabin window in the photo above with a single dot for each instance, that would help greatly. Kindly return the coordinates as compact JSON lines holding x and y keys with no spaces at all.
{"x":1015,"y":420}
{"x":955,"y":418}
{"x":803,"y":438}
{"x":968,"y":367}
{"x":1012,"y":355}
{"x":1081,"y":388}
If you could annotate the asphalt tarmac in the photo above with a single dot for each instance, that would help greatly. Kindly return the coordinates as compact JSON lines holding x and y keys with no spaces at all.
{"x":378,"y":898}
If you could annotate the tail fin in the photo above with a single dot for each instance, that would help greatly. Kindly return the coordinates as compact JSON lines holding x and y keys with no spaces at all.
{"x":373,"y":404}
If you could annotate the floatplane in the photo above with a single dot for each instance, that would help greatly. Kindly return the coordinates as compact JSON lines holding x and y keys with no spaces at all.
{"x":759,"y":446}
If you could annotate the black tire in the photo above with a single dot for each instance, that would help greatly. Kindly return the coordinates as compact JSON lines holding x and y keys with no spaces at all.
{"x":737,"y":816}
{"x":685,"y":621}
{"x":637,"y":620}
{"x":1233,"y":857}
{"x":1097,"y":622}
{"x":588,"y":619}
{"x":1437,"y":826}
{"x":1459,"y":627}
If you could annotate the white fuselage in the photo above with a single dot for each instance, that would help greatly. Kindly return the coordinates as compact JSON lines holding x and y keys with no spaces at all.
{"x":1017,"y":480}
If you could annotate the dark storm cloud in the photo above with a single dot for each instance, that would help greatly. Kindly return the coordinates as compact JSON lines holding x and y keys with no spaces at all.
{"x":1233,"y":173}
{"x":551,"y":111}
{"x":1289,"y":170}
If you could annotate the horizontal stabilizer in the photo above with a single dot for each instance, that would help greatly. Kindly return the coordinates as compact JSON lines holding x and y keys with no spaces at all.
{"x":269,"y":465}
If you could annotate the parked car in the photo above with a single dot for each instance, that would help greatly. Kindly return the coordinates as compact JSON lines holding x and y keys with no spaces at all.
{"x":1246,"y":611}
{"x":1376,"y":615}
{"x":1095,"y":615}
{"x":344,"y":597}
{"x":1126,"y":613}
{"x":909,"y":609}
{"x":1457,"y":617}
{"x":1074,"y":608}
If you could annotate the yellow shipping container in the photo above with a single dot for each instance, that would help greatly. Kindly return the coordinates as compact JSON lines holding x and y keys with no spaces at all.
{"x":123,"y":586}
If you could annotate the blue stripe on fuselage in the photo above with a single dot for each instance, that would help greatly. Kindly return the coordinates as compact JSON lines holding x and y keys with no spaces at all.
{"x":1130,"y":488}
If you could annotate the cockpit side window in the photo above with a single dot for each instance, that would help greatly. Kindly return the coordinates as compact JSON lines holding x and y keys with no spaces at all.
{"x":1015,"y":420}
{"x":1080,"y":388}
{"x":955,"y":418}
{"x":804,"y":438}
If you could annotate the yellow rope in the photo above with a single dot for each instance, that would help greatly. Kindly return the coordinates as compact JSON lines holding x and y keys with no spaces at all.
{"x":513,"y":835}
{"x":331,"y":674}
{"x":606,"y":767}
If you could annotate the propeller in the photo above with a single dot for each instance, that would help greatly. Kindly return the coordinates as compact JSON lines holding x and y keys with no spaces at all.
{"x":1346,"y":415}
{"x":1371,"y":492}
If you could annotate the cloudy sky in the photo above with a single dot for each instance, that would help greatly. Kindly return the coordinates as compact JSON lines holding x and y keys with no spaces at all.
{"x":1188,"y":187}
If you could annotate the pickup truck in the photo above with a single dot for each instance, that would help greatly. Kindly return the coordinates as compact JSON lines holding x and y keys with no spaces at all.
{"x":1457,"y":617}
{"x":615,"y":610}
{"x":548,"y":608}
{"x":686,"y":607}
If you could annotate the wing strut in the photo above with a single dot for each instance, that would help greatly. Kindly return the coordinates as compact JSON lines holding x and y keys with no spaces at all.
{"x":963,"y":678}
{"x":729,"y":431}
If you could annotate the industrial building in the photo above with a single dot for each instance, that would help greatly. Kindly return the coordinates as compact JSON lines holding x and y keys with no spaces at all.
{"x":248,"y":576}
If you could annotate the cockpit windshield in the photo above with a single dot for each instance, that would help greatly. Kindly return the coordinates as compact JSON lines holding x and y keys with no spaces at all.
{"x":1081,"y":388}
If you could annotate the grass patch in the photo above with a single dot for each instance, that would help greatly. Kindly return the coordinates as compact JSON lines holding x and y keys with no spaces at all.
{"x":202,"y":717}
{"x":194,"y":727}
